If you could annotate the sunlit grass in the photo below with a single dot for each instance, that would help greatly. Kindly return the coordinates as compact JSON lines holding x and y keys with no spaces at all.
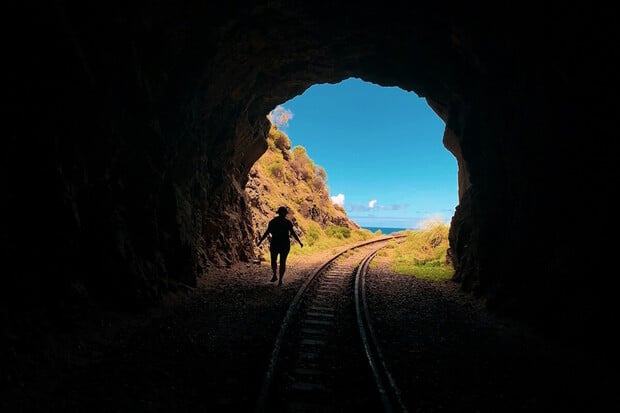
{"x":423,"y":253}
{"x":317,"y":240}
{"x":332,"y":239}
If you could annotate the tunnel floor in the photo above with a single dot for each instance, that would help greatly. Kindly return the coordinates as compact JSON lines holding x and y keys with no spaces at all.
{"x":207,"y":349}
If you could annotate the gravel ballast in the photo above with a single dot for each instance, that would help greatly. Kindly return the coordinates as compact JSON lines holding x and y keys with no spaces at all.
{"x":207,"y":349}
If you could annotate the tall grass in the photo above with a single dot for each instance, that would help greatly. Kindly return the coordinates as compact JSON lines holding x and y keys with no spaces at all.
{"x":423,"y":253}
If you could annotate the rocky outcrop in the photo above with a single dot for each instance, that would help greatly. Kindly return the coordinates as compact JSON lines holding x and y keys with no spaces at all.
{"x":133,"y":127}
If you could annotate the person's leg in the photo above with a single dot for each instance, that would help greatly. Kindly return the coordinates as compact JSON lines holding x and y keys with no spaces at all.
{"x":283,"y":256}
{"x":274,"y":263}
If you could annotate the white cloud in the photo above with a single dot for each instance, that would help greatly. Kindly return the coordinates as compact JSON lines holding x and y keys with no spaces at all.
{"x":372,"y":203}
{"x":280,"y":116}
{"x":338,"y":199}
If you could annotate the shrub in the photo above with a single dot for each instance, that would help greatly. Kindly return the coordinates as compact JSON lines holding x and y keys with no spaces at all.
{"x":271,"y":145}
{"x":318,"y":185}
{"x":276,"y":169}
{"x":313,"y":234}
{"x":339,"y":232}
{"x":302,"y":164}
{"x":281,"y":141}
{"x":320,"y":174}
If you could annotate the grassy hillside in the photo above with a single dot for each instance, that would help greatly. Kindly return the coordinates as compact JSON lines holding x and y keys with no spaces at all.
{"x":287,"y":176}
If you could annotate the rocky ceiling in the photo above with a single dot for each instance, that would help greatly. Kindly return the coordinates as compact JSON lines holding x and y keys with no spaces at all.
{"x":132,"y":127}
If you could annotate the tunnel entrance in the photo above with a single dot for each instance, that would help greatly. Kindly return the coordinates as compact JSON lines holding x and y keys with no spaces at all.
{"x":381,"y":148}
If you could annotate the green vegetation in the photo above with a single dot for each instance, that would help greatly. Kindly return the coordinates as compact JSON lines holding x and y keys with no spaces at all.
{"x":335,"y":231}
{"x":423,"y":253}
{"x":278,"y":139}
{"x":303,"y":165}
{"x":276,"y":169}
{"x":292,"y":176}
{"x":317,"y":239}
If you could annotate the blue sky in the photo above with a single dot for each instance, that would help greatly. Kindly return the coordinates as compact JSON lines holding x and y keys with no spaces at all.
{"x":381,"y":148}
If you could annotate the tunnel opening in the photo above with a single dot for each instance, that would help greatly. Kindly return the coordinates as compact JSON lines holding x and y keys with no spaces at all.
{"x":378,"y":140}
{"x":384,"y":149}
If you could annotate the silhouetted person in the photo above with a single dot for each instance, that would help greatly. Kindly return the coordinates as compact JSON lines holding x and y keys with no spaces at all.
{"x":280,"y":229}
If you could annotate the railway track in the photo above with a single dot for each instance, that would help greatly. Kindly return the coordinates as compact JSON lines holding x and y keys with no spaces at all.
{"x":325,"y":357}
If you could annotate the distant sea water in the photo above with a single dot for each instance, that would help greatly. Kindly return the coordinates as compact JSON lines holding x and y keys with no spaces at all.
{"x":384,"y":230}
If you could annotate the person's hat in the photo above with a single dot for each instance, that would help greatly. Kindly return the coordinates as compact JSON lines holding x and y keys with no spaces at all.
{"x":282,"y":211}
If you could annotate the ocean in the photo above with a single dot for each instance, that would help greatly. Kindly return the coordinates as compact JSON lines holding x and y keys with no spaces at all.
{"x":384,"y":230}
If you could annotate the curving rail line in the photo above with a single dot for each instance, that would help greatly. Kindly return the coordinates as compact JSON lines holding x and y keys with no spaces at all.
{"x":315,"y":362}
{"x":389,"y":391}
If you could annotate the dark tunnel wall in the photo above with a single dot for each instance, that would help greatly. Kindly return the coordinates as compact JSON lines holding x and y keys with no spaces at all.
{"x":133,"y":126}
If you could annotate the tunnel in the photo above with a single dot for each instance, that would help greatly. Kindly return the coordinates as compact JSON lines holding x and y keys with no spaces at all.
{"x":133,"y":126}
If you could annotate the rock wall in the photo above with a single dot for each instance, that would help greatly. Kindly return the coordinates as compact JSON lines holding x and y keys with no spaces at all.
{"x":133,"y":128}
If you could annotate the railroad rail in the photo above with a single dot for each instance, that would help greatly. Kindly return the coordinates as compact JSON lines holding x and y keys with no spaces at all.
{"x":325,"y":356}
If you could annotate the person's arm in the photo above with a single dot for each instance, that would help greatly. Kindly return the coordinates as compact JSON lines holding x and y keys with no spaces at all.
{"x":294,"y":234}
{"x":263,"y":237}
